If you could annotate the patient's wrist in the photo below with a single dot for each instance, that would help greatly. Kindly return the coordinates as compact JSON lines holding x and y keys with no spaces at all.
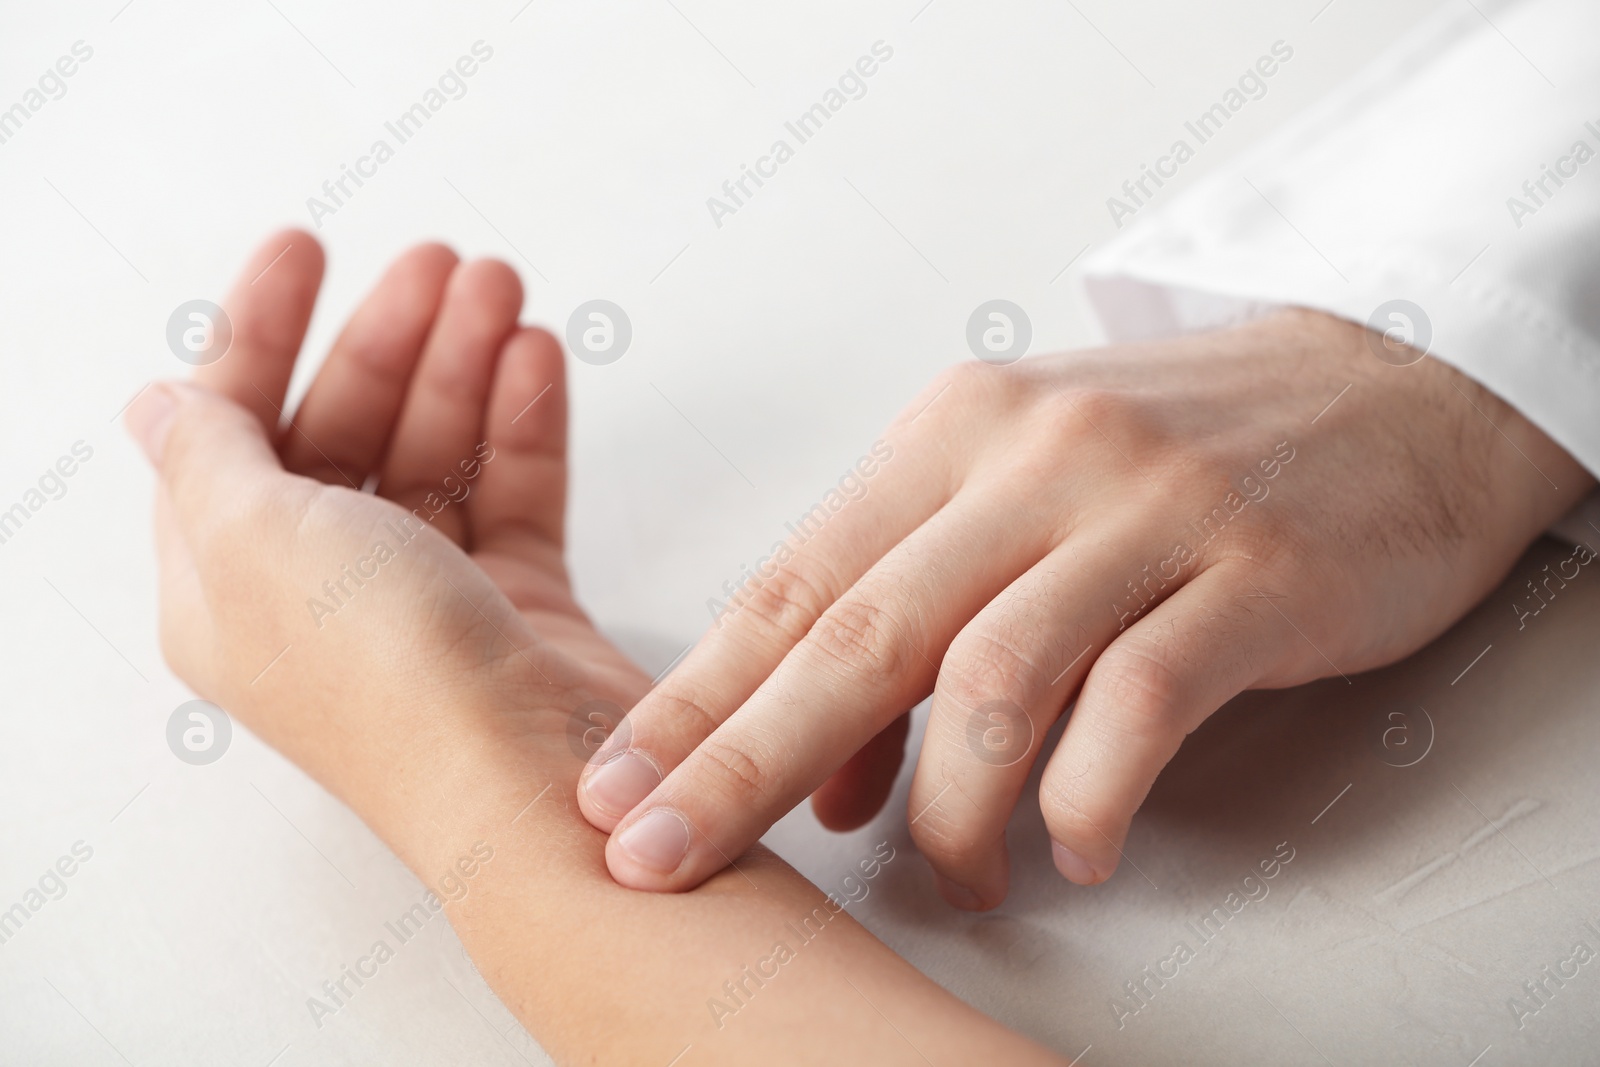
{"x":461,"y":767}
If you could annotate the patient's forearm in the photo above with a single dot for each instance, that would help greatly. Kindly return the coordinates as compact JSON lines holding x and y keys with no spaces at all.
{"x":754,"y":966}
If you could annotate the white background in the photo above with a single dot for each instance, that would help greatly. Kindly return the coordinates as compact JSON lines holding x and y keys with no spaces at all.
{"x":976,"y":166}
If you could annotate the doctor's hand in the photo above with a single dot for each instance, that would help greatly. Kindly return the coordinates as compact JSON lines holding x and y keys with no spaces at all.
{"x":1147,"y":530}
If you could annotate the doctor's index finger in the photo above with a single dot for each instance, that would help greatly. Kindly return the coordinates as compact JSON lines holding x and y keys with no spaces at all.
{"x":870,"y":657}
{"x":759,"y":619}
{"x":762,"y":613}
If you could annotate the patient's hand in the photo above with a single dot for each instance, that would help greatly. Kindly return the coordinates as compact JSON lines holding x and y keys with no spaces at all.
{"x":430,"y":682}
{"x":1149,"y":530}
{"x":302,"y":604}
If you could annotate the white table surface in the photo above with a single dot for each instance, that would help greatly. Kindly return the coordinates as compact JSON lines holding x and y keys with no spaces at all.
{"x":218,"y":898}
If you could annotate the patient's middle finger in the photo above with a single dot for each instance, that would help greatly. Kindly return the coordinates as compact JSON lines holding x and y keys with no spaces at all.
{"x":442,"y":419}
{"x":342,"y":427}
{"x":267,"y":310}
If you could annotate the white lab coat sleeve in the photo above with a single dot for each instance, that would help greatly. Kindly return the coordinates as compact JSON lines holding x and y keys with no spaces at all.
{"x":1460,"y":172}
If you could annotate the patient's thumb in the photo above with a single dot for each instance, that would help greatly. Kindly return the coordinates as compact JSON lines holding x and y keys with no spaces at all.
{"x":192,"y":433}
{"x":150,"y":417}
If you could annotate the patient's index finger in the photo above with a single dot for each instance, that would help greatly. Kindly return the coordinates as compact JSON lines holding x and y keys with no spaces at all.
{"x":267,"y":312}
{"x":343,"y":426}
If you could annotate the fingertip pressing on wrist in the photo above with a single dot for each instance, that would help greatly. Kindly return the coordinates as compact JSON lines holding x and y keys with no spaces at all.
{"x":657,"y":842}
{"x":613,"y":788}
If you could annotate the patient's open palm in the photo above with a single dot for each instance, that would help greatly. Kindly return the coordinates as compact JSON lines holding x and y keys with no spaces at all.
{"x":456,"y":416}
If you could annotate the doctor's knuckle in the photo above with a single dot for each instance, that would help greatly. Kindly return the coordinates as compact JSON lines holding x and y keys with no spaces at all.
{"x":947,"y":846}
{"x":741,"y":775}
{"x":862,"y":637}
{"x":1076,"y":816}
{"x":678,"y":709}
{"x":981,"y":666}
{"x":789,"y":603}
{"x":1145,"y":689}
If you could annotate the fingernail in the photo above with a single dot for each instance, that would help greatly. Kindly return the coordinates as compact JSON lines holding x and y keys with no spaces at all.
{"x":959,"y":895}
{"x":658,"y":841}
{"x":621,"y":782}
{"x":150,"y":417}
{"x":1071,"y":865}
